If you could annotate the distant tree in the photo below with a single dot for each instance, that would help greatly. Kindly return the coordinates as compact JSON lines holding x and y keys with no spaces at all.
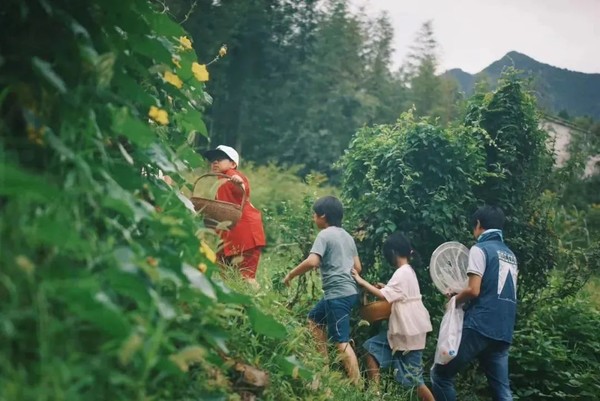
{"x":431,"y":94}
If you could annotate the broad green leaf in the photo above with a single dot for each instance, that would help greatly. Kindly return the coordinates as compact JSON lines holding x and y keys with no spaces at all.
{"x":131,"y":89}
{"x":265,"y":324}
{"x":216,"y":336}
{"x":192,"y":158}
{"x":132,"y":128}
{"x":164,"y":25}
{"x":95,"y":307}
{"x":199,"y":281}
{"x":152,"y":48}
{"x":45,"y":70}
{"x":56,"y":228}
{"x":192,"y":121}
{"x":16,"y":182}
{"x":160,"y":158}
{"x":130,"y":285}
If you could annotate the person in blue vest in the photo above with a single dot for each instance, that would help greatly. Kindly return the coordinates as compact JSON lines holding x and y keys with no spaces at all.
{"x":490,"y":304}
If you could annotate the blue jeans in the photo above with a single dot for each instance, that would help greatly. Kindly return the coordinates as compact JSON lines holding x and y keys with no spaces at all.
{"x":335,"y":313}
{"x":407,"y":365}
{"x":493,"y":360}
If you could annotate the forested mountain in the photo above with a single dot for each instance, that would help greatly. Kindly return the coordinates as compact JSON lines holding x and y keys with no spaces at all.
{"x":557,"y":89}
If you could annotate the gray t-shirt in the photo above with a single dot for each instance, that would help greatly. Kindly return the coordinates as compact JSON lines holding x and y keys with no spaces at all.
{"x":337,"y":251}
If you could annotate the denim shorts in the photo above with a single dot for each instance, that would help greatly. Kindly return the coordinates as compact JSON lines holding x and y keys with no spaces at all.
{"x":335,"y":313}
{"x":407,"y":365}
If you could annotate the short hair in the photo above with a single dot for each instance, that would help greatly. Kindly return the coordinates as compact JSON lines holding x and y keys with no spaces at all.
{"x":397,"y":244}
{"x":331,"y":208}
{"x":489,"y":217}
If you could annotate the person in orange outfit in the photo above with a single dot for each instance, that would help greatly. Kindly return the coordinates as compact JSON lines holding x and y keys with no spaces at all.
{"x":243,"y":243}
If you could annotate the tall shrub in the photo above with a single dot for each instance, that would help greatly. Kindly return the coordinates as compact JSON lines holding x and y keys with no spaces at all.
{"x":105,"y":278}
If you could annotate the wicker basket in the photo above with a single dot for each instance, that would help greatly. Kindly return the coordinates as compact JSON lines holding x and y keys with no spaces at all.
{"x":374,"y":311}
{"x":223,"y":215}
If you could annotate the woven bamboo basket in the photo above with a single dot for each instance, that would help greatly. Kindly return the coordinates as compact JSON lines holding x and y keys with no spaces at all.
{"x":224,"y":215}
{"x":374,"y":311}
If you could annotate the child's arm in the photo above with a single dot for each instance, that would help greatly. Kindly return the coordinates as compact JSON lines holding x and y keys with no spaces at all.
{"x":366,"y":285}
{"x":313,"y":260}
{"x":357,"y":264}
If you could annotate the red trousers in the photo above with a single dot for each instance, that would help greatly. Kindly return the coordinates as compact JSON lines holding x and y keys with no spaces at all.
{"x":246,"y":262}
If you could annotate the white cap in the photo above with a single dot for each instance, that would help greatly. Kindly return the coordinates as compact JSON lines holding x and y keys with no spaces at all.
{"x":228,"y":150}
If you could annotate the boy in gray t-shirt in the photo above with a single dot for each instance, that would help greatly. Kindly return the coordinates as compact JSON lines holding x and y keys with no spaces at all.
{"x":334,"y":251}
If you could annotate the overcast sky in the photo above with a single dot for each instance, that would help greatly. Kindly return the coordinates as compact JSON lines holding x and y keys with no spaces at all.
{"x":474,"y":33}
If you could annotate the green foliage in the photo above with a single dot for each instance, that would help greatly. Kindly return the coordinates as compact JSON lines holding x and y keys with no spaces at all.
{"x":562,"y":331}
{"x":412,"y":176}
{"x":425,"y":180}
{"x":101,"y":296}
{"x":516,"y":158}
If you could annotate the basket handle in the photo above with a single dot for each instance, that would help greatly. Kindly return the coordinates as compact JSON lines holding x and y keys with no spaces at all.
{"x":221,"y":175}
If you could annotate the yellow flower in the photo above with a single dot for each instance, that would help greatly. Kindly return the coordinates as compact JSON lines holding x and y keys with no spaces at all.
{"x":202,"y":267}
{"x":210,"y":254}
{"x":176,"y":61}
{"x":158,"y":115}
{"x":200,"y":72}
{"x":173,"y":79}
{"x":223,"y":51}
{"x":185,"y":42}
{"x":35,"y":135}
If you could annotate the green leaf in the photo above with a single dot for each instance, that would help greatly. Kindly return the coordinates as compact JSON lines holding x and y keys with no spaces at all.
{"x":291,"y":366}
{"x":46,"y":71}
{"x":152,"y":48}
{"x":199,"y":281}
{"x":16,"y":182}
{"x":132,"y":128}
{"x":129,"y":88}
{"x":95,"y":307}
{"x":164,"y":25}
{"x":192,"y":158}
{"x":192,"y":121}
{"x":265,"y":324}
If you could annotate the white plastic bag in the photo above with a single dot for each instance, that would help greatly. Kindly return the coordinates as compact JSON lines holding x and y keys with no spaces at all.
{"x":450,"y":333}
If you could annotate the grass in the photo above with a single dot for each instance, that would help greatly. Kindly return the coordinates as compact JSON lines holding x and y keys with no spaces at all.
{"x":592,"y":291}
{"x":327,"y":380}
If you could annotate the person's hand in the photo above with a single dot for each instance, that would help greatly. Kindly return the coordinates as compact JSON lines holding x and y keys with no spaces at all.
{"x":287,"y":279}
{"x":449,"y":295}
{"x":237,"y":179}
{"x":356,"y":276}
{"x":379,"y":285}
{"x":449,"y":298}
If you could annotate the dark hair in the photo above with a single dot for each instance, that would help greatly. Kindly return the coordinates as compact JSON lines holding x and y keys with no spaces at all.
{"x":489,"y":217}
{"x":397,"y":244}
{"x":331,"y":208}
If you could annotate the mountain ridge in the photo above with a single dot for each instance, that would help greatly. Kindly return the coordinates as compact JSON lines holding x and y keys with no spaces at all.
{"x":557,"y":89}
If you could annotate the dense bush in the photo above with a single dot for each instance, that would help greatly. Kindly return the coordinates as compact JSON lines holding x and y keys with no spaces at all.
{"x":107,"y":285}
{"x":420,"y":178}
{"x":412,"y":176}
{"x":555,"y":353}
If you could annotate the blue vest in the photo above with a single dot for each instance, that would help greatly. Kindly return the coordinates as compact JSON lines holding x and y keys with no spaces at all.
{"x":493,"y":313}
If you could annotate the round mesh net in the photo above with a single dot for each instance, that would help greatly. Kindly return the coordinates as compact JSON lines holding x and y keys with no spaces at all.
{"x":448,"y":267}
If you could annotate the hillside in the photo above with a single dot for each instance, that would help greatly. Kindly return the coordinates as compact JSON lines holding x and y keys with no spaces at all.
{"x":556,"y":88}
